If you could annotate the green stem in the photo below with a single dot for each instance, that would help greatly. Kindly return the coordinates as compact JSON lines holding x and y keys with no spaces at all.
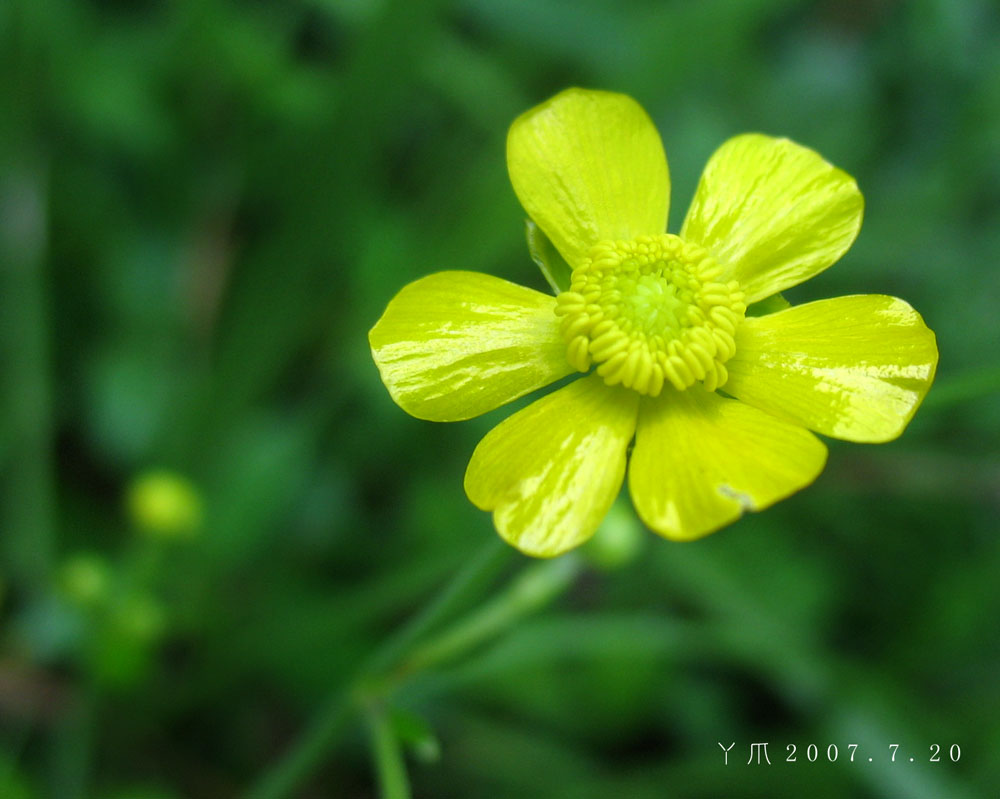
{"x":470,"y":580}
{"x":534,"y":588}
{"x":389,"y":764}
{"x":960,"y":388}
{"x":329,"y":724}
{"x":73,"y":745}
{"x":29,"y":499}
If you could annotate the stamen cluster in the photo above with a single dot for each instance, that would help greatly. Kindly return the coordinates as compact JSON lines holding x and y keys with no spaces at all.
{"x":651,"y":310}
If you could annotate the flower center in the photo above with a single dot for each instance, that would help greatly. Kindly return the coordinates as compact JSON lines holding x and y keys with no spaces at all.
{"x":651,"y":310}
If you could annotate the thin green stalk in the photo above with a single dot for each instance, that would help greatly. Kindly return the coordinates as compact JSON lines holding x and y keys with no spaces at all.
{"x":29,"y":496}
{"x":534,"y":588}
{"x":329,"y":724}
{"x":73,"y":744}
{"x":971,"y":385}
{"x":388,"y":755}
{"x":477,"y":573}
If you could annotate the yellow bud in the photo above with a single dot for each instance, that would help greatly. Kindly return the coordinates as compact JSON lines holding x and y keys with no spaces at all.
{"x":85,"y":579}
{"x":618,"y":541}
{"x":164,"y":504}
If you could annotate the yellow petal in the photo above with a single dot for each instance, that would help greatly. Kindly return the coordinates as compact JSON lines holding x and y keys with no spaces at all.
{"x":550,"y":472}
{"x":851,"y":367}
{"x":701,"y":460}
{"x":454,"y":345}
{"x":588,"y":166}
{"x":774,"y":212}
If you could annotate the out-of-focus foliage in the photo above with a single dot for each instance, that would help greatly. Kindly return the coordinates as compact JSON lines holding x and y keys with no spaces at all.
{"x":204,"y":205}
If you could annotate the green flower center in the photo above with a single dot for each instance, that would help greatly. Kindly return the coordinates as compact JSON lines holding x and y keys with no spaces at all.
{"x":651,"y":310}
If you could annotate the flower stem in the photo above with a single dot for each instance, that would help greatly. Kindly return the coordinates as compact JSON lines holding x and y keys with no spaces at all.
{"x":478,"y":572}
{"x":963,"y":387}
{"x":389,"y":764}
{"x":534,"y":588}
{"x":71,"y":766}
{"x":286,"y":775}
{"x":28,"y":499}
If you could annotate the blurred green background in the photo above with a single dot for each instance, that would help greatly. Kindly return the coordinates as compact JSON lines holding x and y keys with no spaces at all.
{"x":205,"y":205}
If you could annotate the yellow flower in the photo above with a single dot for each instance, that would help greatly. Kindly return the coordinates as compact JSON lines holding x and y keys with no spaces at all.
{"x":664,"y":320}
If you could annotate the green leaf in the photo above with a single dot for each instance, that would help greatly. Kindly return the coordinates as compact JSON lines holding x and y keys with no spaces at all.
{"x":554,"y":267}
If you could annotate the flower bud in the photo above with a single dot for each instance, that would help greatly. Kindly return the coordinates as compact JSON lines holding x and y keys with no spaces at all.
{"x":163,"y":504}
